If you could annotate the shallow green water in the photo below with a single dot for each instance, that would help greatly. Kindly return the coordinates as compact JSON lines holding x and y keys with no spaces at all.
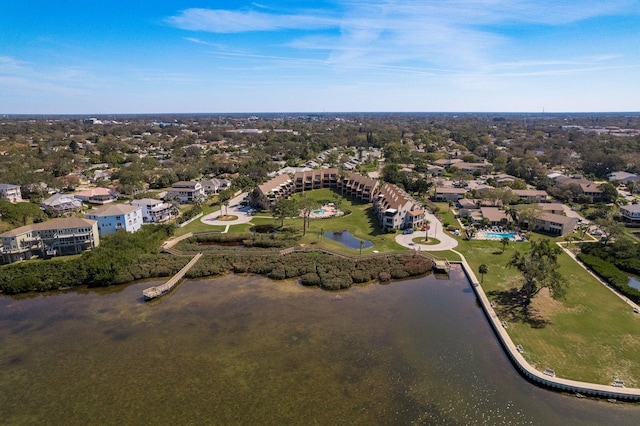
{"x":247,"y":350}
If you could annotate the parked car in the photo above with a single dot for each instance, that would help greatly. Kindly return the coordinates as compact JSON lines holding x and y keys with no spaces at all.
{"x":408,"y":231}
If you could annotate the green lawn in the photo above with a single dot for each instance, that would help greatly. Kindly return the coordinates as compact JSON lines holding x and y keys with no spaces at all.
{"x":361,"y":223}
{"x":590,"y":336}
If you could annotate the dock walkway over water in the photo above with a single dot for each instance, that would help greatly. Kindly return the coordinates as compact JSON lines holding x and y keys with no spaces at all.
{"x":157,"y":291}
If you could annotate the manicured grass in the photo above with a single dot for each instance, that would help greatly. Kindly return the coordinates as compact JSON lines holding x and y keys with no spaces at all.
{"x":430,"y":242}
{"x":361,"y":223}
{"x":590,"y":335}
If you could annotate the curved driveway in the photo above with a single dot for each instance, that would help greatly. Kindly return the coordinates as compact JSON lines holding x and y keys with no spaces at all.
{"x":234,"y":209}
{"x":437,"y":231}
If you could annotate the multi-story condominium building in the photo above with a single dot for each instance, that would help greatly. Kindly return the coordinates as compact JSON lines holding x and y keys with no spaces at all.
{"x":283,"y":186}
{"x":10,"y":192}
{"x":187,"y":191}
{"x":61,"y":204}
{"x":360,"y":187}
{"x":116,"y":217}
{"x":267,"y":195}
{"x":316,"y":179}
{"x":154,"y":211}
{"x":630,"y":213}
{"x":397,"y":209}
{"x":57,"y":237}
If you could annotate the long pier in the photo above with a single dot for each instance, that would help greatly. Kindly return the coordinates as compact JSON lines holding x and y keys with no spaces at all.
{"x":157,"y":291}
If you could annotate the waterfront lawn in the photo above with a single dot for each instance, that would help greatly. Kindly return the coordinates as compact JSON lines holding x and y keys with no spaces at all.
{"x":360,"y":222}
{"x":591,"y":335}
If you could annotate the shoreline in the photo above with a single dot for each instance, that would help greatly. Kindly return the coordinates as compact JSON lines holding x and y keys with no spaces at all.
{"x":528,"y":371}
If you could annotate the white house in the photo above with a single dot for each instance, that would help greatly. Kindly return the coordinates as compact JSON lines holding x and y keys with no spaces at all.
{"x":57,"y":237}
{"x":187,"y":191}
{"x":154,"y":211}
{"x":61,"y":204}
{"x":213,"y":186}
{"x":10,"y":192}
{"x":630,"y":213}
{"x":116,"y":217}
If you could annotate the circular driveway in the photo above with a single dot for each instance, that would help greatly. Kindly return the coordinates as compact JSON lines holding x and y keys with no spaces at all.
{"x":437,"y":231}
{"x":234,"y":209}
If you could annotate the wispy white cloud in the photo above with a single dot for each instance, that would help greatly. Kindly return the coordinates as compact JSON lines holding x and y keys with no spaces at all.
{"x":440,"y":33}
{"x":227,"y":21}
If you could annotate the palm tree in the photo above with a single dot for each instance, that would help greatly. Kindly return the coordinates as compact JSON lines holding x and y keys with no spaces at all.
{"x":482,"y":269}
{"x":361,"y":245}
{"x":505,"y":243}
{"x":426,"y":225}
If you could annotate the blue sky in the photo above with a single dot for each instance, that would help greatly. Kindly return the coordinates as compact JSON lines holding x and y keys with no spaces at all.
{"x":60,"y":57}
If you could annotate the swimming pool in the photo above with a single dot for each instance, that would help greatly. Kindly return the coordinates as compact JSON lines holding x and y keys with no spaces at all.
{"x":499,"y":235}
{"x":319,"y":212}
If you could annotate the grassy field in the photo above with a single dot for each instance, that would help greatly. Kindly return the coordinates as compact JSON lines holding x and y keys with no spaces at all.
{"x":590,"y":335}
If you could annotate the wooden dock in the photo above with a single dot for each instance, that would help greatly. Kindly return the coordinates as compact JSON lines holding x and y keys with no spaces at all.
{"x":157,"y":291}
{"x":441,"y":265}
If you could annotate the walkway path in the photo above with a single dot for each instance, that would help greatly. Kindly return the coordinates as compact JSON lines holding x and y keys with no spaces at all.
{"x":447,"y":242}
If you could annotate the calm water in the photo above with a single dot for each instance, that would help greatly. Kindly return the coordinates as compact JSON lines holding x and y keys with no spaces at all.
{"x":500,"y":235}
{"x":634,"y":282}
{"x":247,"y":350}
{"x":347,"y":239}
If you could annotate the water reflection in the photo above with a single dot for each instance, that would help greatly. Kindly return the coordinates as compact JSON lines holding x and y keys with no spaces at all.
{"x":347,"y":239}
{"x":247,"y":350}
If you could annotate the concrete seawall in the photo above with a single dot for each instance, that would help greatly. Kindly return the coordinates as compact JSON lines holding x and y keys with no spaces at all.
{"x":565,"y":385}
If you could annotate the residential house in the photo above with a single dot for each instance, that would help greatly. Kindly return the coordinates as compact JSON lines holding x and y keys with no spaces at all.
{"x":473,"y":168}
{"x":116,"y":217}
{"x":433,"y":170}
{"x":555,"y":224}
{"x":592,"y":190}
{"x":56,"y":237}
{"x":10,"y":192}
{"x":187,"y":191}
{"x":447,"y":162}
{"x":397,"y":209}
{"x":213,"y":186}
{"x":467,"y":206}
{"x":61,"y":204}
{"x":447,"y":193}
{"x":630,"y":213}
{"x":531,"y":195}
{"x":586,"y":187}
{"x":494,"y":216}
{"x":623,"y":177}
{"x":154,"y":211}
{"x":555,"y":208}
{"x":97,"y":195}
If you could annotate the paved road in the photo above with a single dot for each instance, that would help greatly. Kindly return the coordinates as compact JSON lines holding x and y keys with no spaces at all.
{"x":437,"y":231}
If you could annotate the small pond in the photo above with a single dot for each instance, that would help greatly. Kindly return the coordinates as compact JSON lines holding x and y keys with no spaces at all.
{"x":634,"y":282}
{"x":345,"y":238}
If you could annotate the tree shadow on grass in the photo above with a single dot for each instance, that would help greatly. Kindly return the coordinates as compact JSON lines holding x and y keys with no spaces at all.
{"x":511,"y":306}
